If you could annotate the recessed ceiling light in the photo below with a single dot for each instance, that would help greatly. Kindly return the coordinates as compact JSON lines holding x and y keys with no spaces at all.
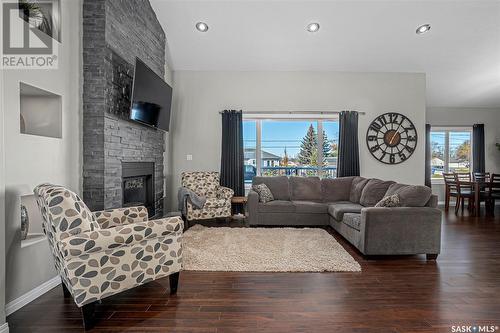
{"x":201,"y":26}
{"x":313,"y":27}
{"x":423,"y":29}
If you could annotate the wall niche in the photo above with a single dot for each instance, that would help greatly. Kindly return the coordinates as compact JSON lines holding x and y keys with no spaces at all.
{"x":40,"y":112}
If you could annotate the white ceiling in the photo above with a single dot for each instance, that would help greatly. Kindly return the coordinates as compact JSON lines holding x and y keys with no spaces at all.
{"x":460,"y":54}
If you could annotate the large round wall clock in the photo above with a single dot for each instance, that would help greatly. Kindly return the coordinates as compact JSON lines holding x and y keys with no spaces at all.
{"x":391,"y":138}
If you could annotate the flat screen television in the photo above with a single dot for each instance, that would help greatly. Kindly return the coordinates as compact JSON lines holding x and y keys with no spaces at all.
{"x":151,"y":98}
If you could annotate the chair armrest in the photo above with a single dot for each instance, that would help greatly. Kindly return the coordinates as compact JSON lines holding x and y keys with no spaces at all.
{"x":252,"y":207}
{"x":400,"y":230}
{"x":115,"y":217}
{"x":116,"y":237}
{"x":225,"y":193}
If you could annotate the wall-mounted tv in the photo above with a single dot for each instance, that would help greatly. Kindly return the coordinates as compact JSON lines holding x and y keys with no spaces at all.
{"x":151,"y":98}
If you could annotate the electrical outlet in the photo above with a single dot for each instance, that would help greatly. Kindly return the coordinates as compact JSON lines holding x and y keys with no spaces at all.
{"x":189,"y":157}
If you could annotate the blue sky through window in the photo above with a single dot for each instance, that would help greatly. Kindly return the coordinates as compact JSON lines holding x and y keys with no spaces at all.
{"x":276,"y":135}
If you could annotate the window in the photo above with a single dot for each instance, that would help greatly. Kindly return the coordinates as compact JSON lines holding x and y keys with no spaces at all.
{"x":278,"y":147}
{"x":451,"y":151}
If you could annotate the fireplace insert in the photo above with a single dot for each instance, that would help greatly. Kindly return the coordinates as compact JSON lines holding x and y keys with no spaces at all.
{"x":138,"y":185}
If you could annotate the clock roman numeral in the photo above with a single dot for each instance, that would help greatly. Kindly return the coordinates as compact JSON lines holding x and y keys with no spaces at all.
{"x":382,"y":120}
{"x":375,"y":127}
{"x":393,"y":117}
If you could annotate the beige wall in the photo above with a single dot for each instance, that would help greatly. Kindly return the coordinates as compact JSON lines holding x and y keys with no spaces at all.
{"x":468,"y":117}
{"x":199,"y":96}
{"x":31,"y":160}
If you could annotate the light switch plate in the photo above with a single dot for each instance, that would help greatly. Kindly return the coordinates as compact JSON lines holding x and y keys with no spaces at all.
{"x":189,"y":157}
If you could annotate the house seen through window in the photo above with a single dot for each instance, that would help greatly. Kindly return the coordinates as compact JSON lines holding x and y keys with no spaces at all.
{"x":276,"y":147}
{"x":451,"y":150}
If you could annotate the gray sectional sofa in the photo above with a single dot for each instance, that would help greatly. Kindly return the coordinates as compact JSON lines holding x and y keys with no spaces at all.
{"x":347,"y":204}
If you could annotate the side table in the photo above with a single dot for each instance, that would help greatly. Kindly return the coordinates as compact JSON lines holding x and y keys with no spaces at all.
{"x":241,"y":201}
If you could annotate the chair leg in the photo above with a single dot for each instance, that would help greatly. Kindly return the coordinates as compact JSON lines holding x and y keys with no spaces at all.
{"x":457,"y":205}
{"x":462,"y":203}
{"x":446,"y":203}
{"x":88,"y":315}
{"x":174,"y":282}
{"x":66,"y":292}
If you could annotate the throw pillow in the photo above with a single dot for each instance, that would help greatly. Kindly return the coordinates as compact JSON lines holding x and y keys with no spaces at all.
{"x":390,"y":201}
{"x":264,"y":193}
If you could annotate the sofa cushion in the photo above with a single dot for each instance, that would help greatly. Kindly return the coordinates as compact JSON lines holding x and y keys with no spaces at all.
{"x":389,"y":201}
{"x":336,"y":189}
{"x":374,"y":191}
{"x":338,"y":209}
{"x":357,"y":185}
{"x":353,"y":220}
{"x":310,"y":207}
{"x":410,"y":195}
{"x":277,"y":206}
{"x":264,"y":192}
{"x":305,"y":188}
{"x":278,"y":186}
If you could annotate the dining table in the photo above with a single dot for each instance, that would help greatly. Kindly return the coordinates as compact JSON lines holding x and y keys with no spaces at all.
{"x":477,"y":186}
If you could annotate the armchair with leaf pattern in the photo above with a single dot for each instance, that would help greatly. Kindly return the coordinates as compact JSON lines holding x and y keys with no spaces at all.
{"x":104,"y":253}
{"x":207,"y":184}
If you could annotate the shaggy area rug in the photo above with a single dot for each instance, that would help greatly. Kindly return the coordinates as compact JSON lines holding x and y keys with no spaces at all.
{"x":264,"y":250}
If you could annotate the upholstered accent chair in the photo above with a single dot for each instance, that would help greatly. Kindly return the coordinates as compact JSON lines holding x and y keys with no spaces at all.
{"x":103,"y":253}
{"x":207,"y":184}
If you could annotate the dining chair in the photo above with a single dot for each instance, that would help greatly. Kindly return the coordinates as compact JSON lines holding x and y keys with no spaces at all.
{"x":494,"y":190}
{"x":465,"y":190}
{"x":482,"y":176}
{"x":450,"y":190}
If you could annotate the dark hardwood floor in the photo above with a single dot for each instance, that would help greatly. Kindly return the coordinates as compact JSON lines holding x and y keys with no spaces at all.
{"x":391,"y":294}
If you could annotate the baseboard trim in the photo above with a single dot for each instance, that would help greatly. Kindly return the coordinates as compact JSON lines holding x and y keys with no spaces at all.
{"x":31,"y":295}
{"x":4,"y":328}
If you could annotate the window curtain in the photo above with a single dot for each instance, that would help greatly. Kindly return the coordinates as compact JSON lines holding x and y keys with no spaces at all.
{"x":348,"y":156}
{"x":231,"y":173}
{"x":478,"y":148}
{"x":428,"y":155}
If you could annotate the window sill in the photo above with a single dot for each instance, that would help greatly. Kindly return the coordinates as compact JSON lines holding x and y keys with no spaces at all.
{"x":437,"y":182}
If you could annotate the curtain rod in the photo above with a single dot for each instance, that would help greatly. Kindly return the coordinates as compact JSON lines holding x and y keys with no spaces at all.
{"x":291,"y":112}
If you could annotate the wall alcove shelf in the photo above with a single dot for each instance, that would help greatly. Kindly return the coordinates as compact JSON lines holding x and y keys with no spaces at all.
{"x":40,"y":112}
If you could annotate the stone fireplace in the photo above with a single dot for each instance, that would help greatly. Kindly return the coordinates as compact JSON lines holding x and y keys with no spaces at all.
{"x":122,"y":160}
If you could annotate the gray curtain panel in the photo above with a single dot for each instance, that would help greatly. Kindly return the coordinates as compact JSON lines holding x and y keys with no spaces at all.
{"x":231,"y":173}
{"x":478,"y":151}
{"x":348,"y":156}
{"x":428,"y":155}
